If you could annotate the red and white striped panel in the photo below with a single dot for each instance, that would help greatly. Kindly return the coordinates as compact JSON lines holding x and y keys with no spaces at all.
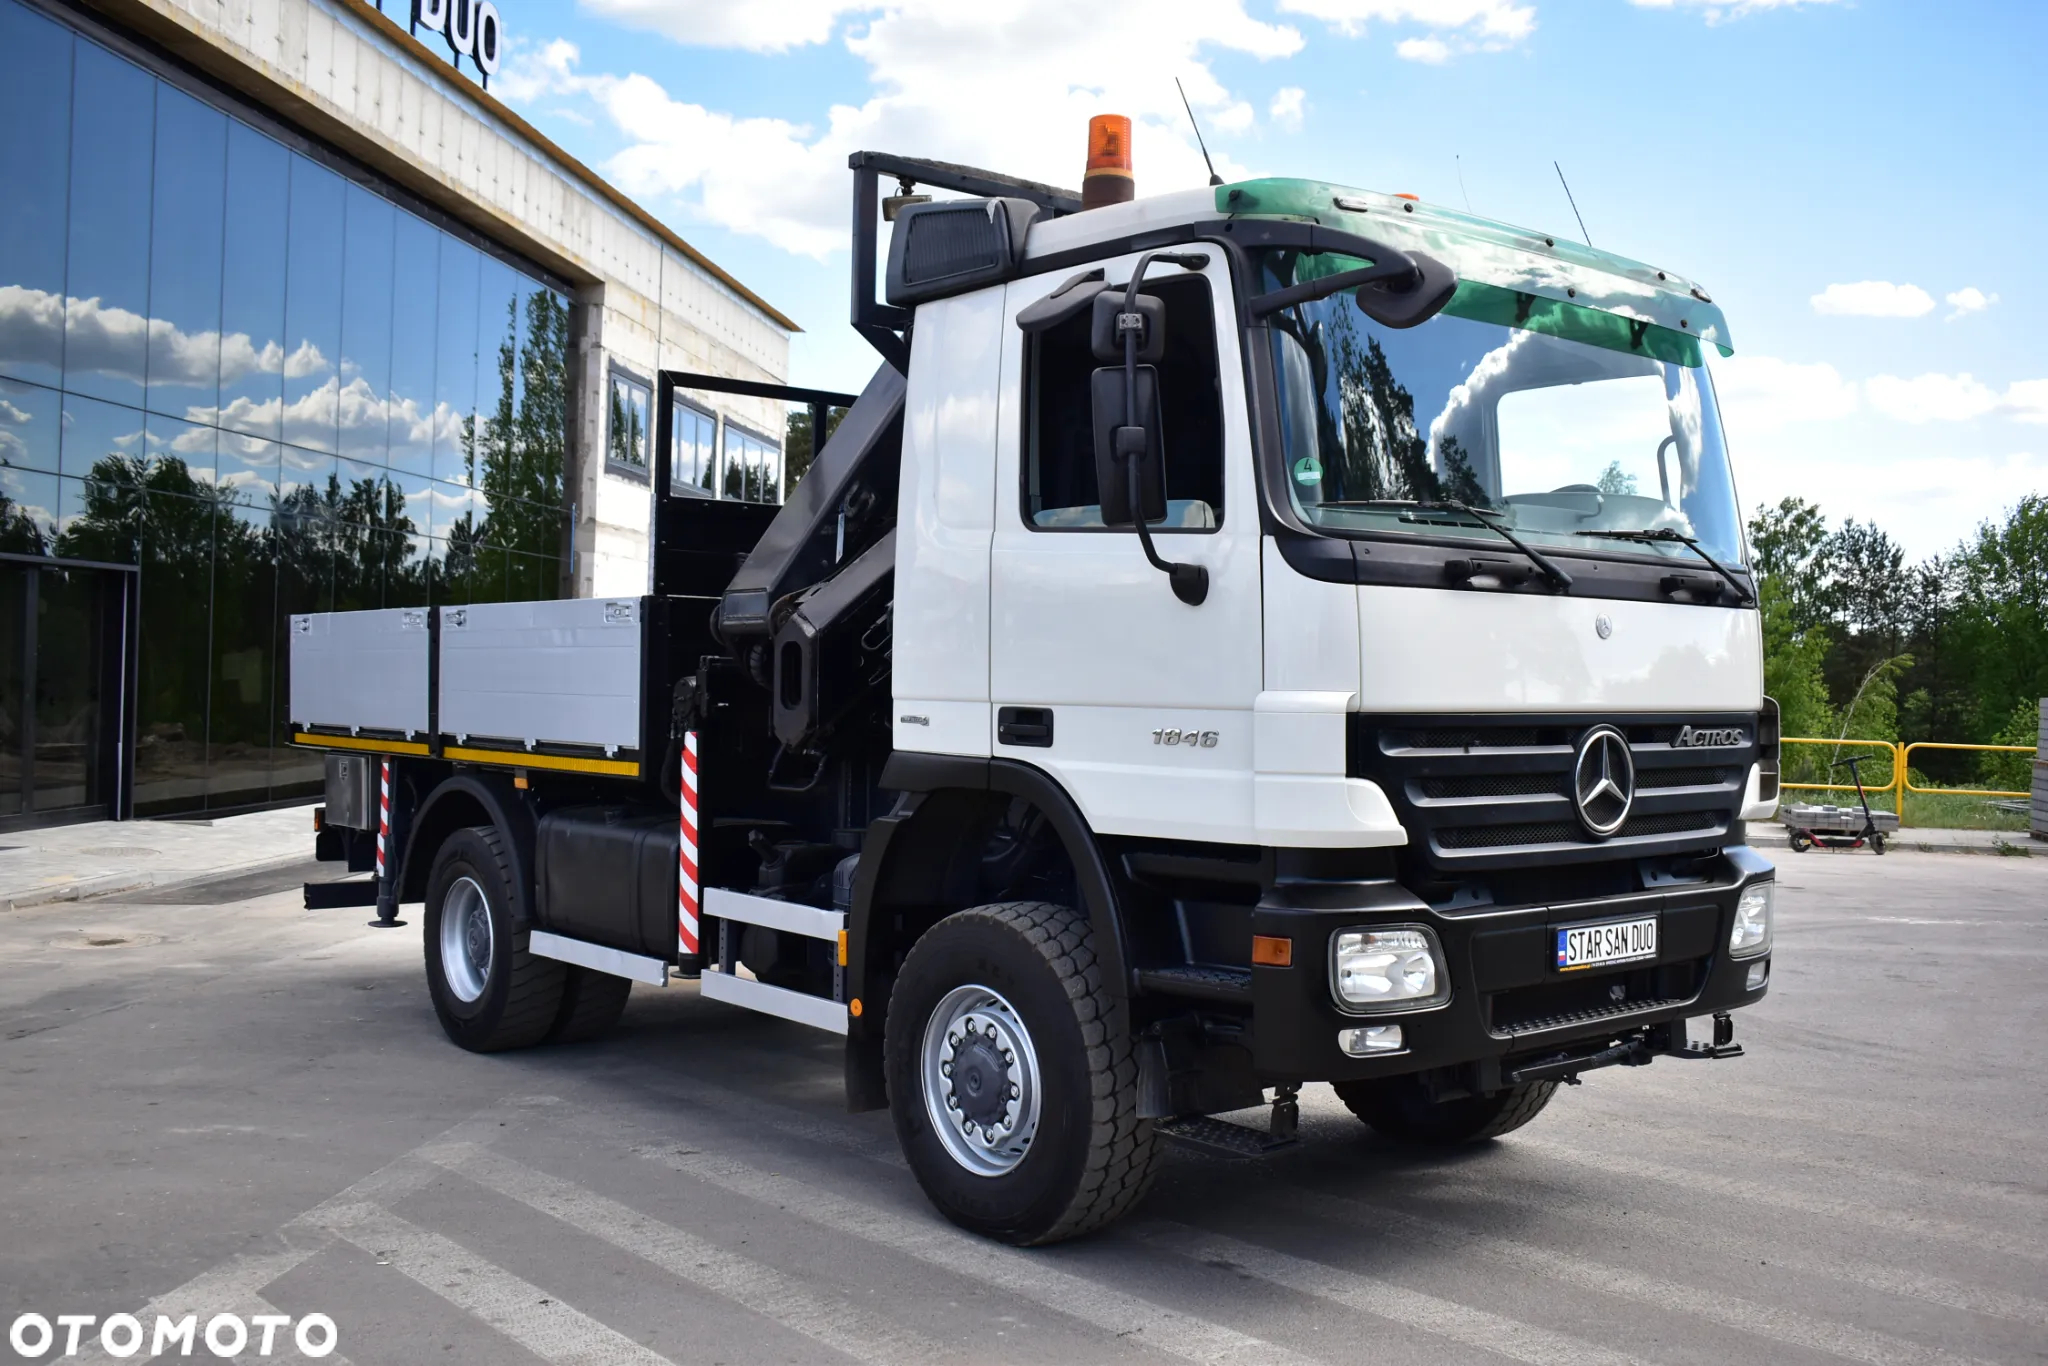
{"x":686,"y":858}
{"x":383,"y":812}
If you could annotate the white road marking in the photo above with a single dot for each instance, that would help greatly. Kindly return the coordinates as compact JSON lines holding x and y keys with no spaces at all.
{"x":1784,"y":1197}
{"x":768,"y":1292}
{"x":1731,"y":1311}
{"x":533,"y":1318}
{"x":1696,"y":1233}
{"x":1489,"y":1332}
{"x":1006,"y":1270}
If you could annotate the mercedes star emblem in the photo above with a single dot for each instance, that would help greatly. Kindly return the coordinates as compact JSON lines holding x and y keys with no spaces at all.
{"x":1603,"y":627}
{"x":1603,"y":781}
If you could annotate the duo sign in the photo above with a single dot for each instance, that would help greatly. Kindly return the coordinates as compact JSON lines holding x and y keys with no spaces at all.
{"x":470,"y":27}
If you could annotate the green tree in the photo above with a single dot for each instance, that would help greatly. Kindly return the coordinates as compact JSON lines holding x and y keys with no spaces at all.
{"x":796,"y":444}
{"x":1614,"y":479}
{"x":2014,"y":772}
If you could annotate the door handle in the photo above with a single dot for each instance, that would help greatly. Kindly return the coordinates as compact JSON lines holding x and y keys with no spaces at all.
{"x":1029,"y":726}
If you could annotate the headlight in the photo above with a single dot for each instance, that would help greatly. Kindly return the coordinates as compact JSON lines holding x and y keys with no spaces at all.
{"x":1752,"y":933}
{"x":1392,"y":969}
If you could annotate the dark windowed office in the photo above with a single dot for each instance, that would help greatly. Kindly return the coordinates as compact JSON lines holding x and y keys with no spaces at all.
{"x":237,"y":381}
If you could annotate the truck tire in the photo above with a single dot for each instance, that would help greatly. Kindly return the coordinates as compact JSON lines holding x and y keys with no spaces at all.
{"x":1012,"y":1078}
{"x":592,"y":1002}
{"x":489,"y":992}
{"x":1399,"y":1108}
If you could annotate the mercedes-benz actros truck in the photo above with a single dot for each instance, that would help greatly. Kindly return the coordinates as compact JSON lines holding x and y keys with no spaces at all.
{"x":1251,"y":636}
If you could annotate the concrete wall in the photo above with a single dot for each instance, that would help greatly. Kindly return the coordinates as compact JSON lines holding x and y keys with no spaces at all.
{"x":351,"y":77}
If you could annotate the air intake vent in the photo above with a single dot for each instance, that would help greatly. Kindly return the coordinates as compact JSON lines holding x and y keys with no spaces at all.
{"x":951,"y":247}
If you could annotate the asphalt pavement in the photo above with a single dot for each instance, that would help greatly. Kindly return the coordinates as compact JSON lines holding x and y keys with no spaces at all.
{"x":215,"y":1102}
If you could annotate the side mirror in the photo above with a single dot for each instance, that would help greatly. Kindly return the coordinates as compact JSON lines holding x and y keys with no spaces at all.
{"x":1116,"y":437}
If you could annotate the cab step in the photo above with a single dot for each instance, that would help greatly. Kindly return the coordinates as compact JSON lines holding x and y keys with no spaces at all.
{"x":1222,"y":1137}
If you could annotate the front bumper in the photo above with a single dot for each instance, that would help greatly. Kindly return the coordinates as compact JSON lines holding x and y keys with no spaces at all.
{"x":1509,"y":1004}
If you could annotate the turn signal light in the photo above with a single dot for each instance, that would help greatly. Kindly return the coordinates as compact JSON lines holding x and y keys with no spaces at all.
{"x":1272,"y":951}
{"x":1108,"y":178}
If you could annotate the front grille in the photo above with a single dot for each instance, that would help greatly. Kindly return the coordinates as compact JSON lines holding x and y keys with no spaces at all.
{"x":1495,"y":792}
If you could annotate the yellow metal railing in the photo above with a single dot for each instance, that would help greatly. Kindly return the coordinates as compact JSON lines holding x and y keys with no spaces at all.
{"x":1899,"y":782}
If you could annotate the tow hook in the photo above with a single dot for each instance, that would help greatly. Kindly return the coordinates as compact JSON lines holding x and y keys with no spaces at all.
{"x":1723,"y":1046}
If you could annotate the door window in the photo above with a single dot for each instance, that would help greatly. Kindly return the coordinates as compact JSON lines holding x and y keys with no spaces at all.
{"x":1060,"y":491}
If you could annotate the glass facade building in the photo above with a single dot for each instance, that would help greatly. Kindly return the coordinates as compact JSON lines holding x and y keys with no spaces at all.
{"x":258,"y":383}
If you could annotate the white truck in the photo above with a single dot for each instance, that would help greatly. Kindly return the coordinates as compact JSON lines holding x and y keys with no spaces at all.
{"x":1244,"y":637}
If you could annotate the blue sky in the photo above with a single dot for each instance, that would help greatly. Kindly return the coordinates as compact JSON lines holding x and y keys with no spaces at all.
{"x":1860,"y":183}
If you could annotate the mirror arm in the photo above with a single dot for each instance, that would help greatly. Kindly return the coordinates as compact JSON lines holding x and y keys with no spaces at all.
{"x":1190,"y":582}
{"x":1322,"y":288}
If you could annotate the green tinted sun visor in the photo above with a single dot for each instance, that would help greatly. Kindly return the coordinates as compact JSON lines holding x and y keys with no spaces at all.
{"x":1506,"y":274}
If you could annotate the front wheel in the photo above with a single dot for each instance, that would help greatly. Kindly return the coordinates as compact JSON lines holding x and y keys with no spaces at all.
{"x":1877,"y":844}
{"x":1800,"y":841}
{"x":1401,"y":1109}
{"x":1012,"y":1076}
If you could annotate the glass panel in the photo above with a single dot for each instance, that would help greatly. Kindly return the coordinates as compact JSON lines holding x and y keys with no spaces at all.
{"x":408,"y":508}
{"x":248,"y":471}
{"x":304,"y":579}
{"x":252,"y":350}
{"x":185,"y":255}
{"x":543,"y":425}
{"x":106,"y":324}
{"x":454,"y":511}
{"x":66,"y":770}
{"x":102,"y":441}
{"x":170,"y":703}
{"x":415,"y":281}
{"x":180,"y":456}
{"x":305,"y":480}
{"x":35,"y":166}
{"x":693,"y":437}
{"x":238,"y":722}
{"x":455,"y":363}
{"x":312,"y":293}
{"x":29,"y":424}
{"x":14,"y":599}
{"x":497,"y":426}
{"x":366,"y":325}
{"x":28,"y":511}
{"x":626,"y":424}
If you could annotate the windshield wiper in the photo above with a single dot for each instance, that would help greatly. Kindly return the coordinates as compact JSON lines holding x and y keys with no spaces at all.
{"x":1550,"y":569}
{"x":1743,"y":597}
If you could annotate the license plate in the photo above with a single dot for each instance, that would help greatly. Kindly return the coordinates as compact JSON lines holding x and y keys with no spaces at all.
{"x":1617,"y":941}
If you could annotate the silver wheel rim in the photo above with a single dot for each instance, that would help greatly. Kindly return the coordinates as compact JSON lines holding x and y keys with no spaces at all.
{"x":981,"y":1086}
{"x":468,"y":943}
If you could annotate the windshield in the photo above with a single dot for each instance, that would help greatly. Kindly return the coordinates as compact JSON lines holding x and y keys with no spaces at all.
{"x":1562,"y":420}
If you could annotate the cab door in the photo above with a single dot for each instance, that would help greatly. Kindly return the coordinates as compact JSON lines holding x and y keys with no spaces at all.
{"x":1137,"y":703}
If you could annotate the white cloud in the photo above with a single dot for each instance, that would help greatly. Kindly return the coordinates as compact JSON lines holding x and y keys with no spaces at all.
{"x":1930,"y":397}
{"x":1967,"y":300}
{"x":754,"y":25}
{"x":1429,"y":51}
{"x":1874,"y":299}
{"x":1717,"y":10}
{"x":1763,"y":393}
{"x":2026,"y":400}
{"x":1489,"y":22}
{"x":935,"y":93}
{"x":122,"y":343}
{"x":1286,"y":108}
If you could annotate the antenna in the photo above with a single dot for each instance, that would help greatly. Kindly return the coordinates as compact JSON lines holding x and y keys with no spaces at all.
{"x":1459,"y":159}
{"x":1214,"y":179}
{"x":1584,"y":236}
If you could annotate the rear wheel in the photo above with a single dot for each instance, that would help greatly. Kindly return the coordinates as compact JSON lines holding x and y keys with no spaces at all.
{"x":1012,"y":1078}
{"x":1800,"y":841}
{"x":1400,"y":1108}
{"x":489,"y":992}
{"x":1877,"y":844}
{"x":592,"y":1002}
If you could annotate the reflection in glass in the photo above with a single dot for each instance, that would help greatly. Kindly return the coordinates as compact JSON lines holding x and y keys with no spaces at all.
{"x":29,"y":425}
{"x":753,"y":466}
{"x":35,"y":166}
{"x":14,"y":681}
{"x":626,"y":424}
{"x":304,"y":472}
{"x":66,"y":762}
{"x":312,"y":294}
{"x":366,"y":325}
{"x":694,"y":444}
{"x":101,"y":441}
{"x":106,"y":316}
{"x":187,"y":224}
{"x":252,"y":293}
{"x":455,"y":363}
{"x":189,"y":445}
{"x":28,"y":511}
{"x":415,"y":295}
{"x":176,"y":540}
{"x":248,"y":470}
{"x":238,"y":736}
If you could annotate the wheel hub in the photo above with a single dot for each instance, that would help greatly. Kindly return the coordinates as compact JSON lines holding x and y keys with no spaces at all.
{"x":981,"y":1080}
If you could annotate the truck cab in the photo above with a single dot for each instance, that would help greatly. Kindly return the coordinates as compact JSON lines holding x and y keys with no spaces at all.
{"x":1261,"y":635}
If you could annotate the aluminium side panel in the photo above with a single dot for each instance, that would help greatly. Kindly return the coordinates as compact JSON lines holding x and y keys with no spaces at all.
{"x":565,"y":672}
{"x":359,"y":671}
